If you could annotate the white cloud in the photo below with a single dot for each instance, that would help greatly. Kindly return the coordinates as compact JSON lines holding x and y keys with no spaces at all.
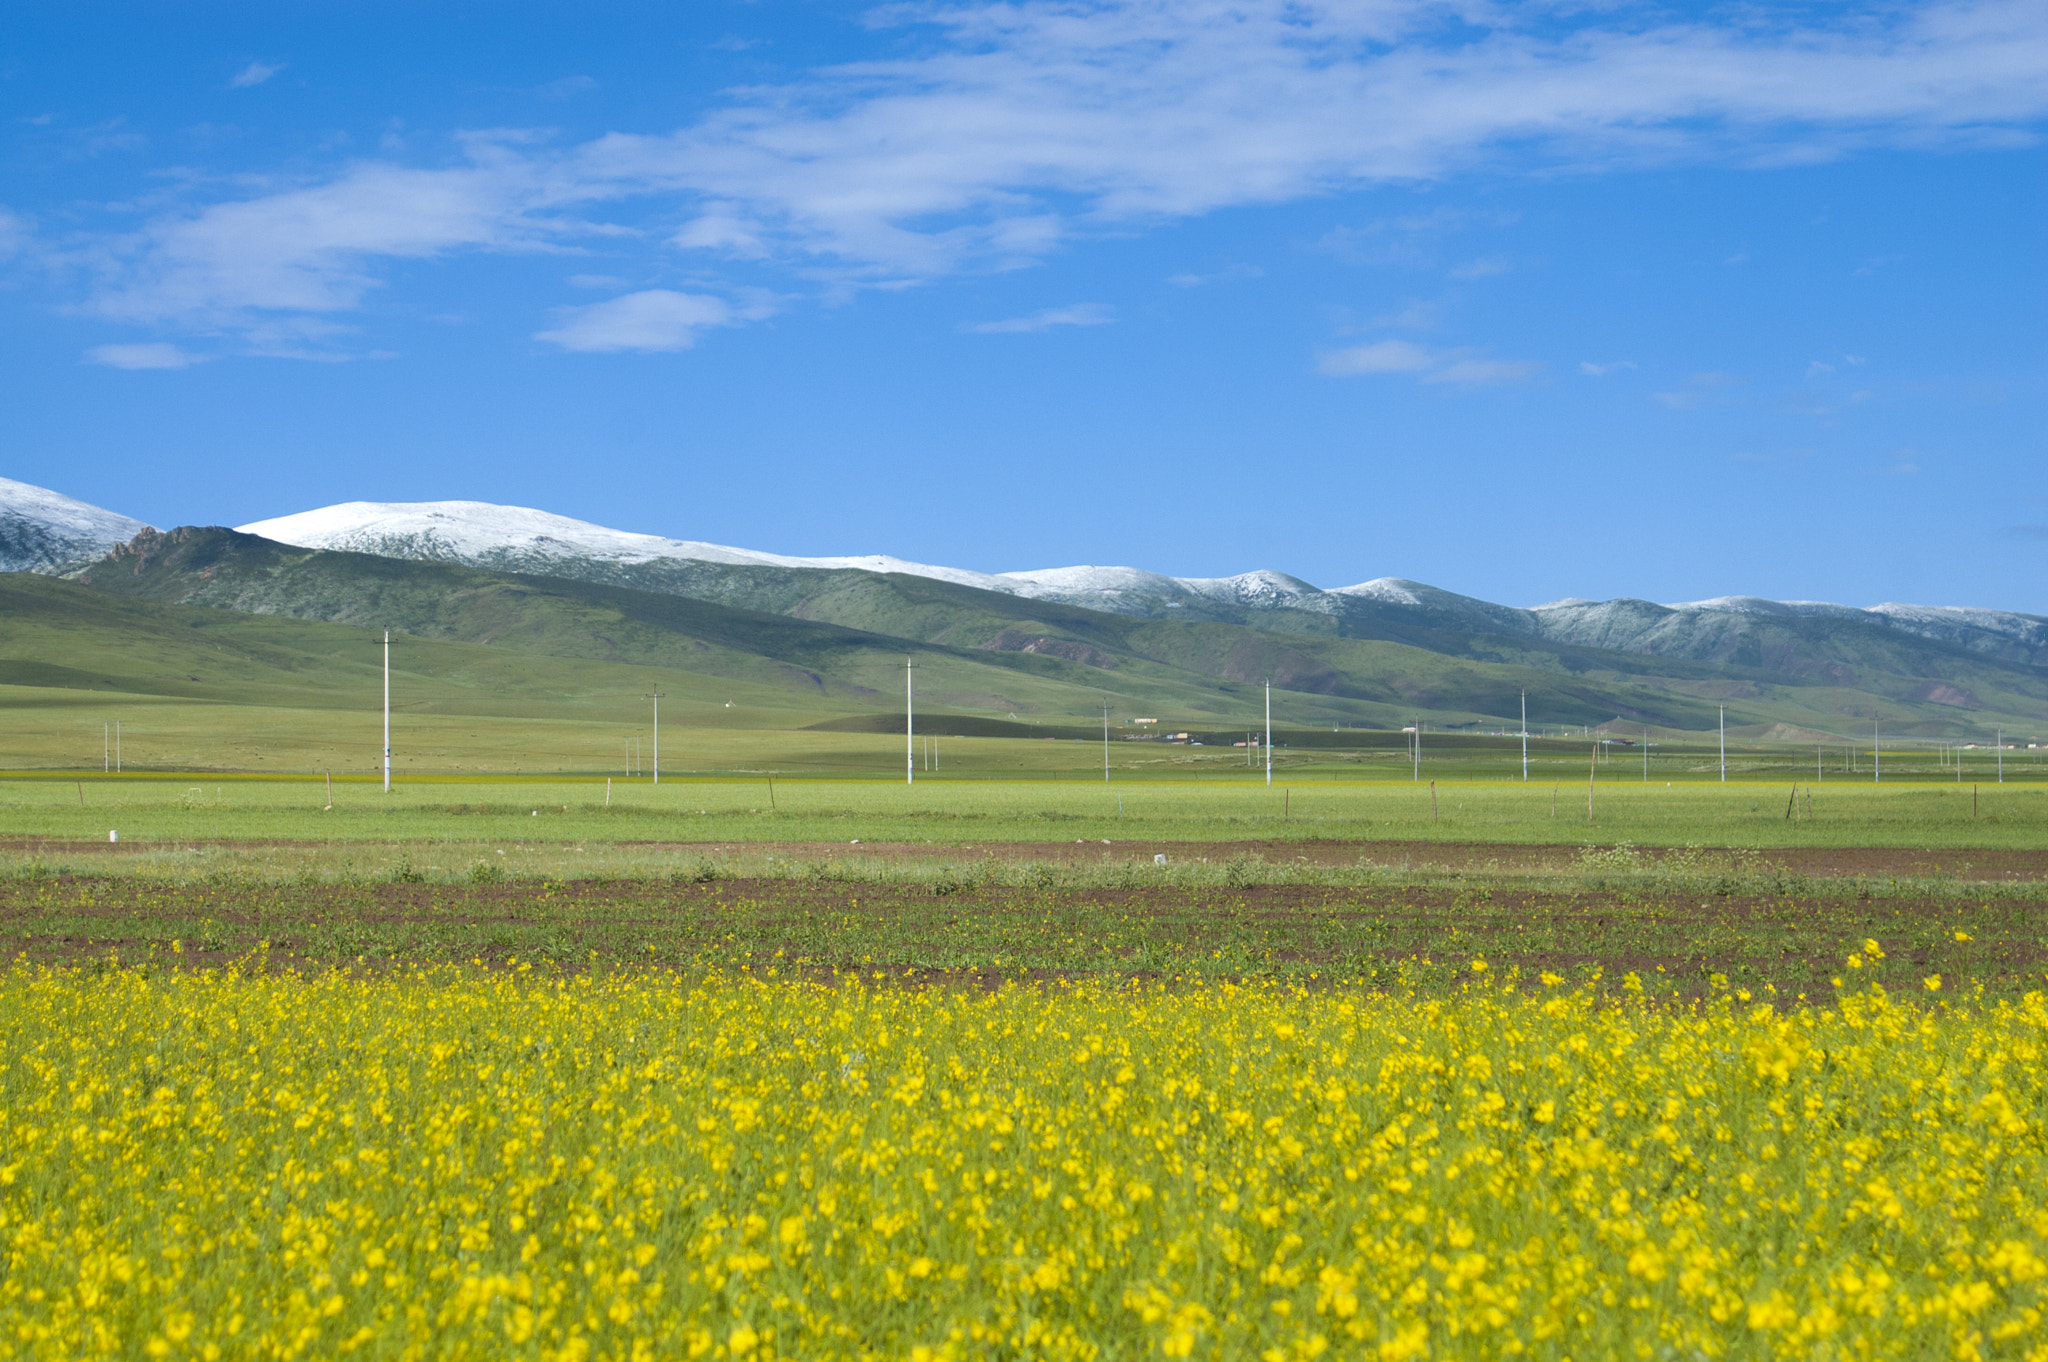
{"x":255,"y":73}
{"x":566,"y":87}
{"x":1699,"y":390}
{"x":1381,"y":357}
{"x":1461,"y":367}
{"x":1018,"y":126}
{"x":653,"y":319}
{"x":1417,"y":316}
{"x":1233,"y":274}
{"x":1074,"y":314}
{"x":1478,"y":373}
{"x":15,"y":234}
{"x":1592,"y":370}
{"x":306,"y":252}
{"x":145,"y":355}
{"x":1483,"y":268}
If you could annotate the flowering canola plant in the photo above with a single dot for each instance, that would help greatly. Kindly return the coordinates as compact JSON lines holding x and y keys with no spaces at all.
{"x":452,"y":1164}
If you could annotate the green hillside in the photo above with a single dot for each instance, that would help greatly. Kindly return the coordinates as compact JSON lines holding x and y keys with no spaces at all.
{"x":837,"y":640}
{"x":219,"y":651}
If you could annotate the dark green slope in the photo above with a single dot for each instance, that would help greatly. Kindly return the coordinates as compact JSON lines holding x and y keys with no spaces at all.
{"x":838,"y":638}
{"x":1894,"y":664}
{"x":1809,"y":672}
{"x":70,"y":642}
{"x":979,"y":649}
{"x":834,"y":666}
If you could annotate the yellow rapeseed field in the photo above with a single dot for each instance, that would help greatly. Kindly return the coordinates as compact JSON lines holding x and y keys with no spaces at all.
{"x":461,"y":1164}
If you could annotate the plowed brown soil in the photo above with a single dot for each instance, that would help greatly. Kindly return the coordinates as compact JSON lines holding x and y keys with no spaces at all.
{"x":1983,"y":864}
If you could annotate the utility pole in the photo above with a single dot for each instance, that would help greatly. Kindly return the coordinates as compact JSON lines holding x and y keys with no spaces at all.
{"x":1269,"y":731}
{"x":1525,"y":737}
{"x":387,"y":711}
{"x":1724,"y":744}
{"x":655,"y":696}
{"x":909,"y":729}
{"x":1876,"y":761}
{"x":1105,"y":742}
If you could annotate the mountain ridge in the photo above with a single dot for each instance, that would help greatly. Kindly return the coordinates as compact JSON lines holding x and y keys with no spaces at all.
{"x":48,"y":532}
{"x":1117,"y":621}
{"x":523,"y":539}
{"x":514,"y":538}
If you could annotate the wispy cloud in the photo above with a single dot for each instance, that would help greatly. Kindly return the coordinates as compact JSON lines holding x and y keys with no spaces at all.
{"x":1414,"y":316}
{"x":16,"y":234}
{"x":1019,"y":126}
{"x":255,"y":73}
{"x":1380,"y":357}
{"x":308,"y":252}
{"x":1074,"y":314}
{"x":142,"y":355}
{"x":567,"y":87}
{"x":1481,"y":373}
{"x":1233,"y":274}
{"x":1592,"y":370}
{"x":1461,"y":367}
{"x":1483,"y":268}
{"x":1700,"y":389}
{"x":651,"y":320}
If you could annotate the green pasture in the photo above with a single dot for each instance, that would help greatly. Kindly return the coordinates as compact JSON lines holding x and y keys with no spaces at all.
{"x":1309,"y":802}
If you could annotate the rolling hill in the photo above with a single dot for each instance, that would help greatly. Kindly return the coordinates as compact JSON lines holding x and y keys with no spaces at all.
{"x":838,"y":636}
{"x":830,"y":636}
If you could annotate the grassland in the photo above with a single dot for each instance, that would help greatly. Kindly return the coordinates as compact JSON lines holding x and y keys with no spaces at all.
{"x":162,"y":813}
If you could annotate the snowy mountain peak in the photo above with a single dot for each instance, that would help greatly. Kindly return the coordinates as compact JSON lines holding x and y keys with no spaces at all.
{"x":48,"y":532}
{"x":521,"y":539}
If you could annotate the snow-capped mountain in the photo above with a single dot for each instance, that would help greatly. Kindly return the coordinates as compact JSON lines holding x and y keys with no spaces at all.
{"x":48,"y":532}
{"x":520,"y":539}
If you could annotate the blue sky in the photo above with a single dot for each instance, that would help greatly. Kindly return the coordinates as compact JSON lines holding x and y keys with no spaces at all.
{"x":1524,"y":301}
